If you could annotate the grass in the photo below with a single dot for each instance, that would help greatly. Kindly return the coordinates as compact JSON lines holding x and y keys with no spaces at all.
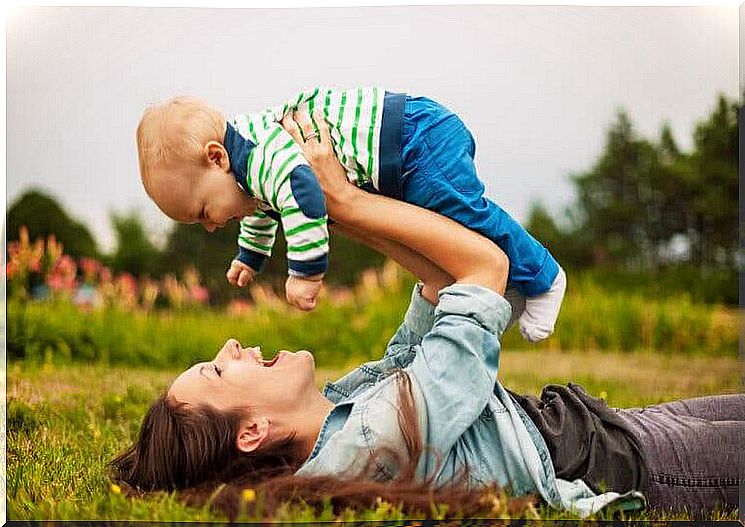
{"x":66,"y":421}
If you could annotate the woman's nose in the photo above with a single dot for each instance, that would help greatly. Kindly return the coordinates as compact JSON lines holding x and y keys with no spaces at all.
{"x":232,"y":348}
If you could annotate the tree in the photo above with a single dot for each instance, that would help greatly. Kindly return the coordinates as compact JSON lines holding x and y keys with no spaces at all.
{"x":616,"y":197}
{"x":42,"y":215}
{"x":209,"y":253}
{"x":715,"y":205}
{"x":134,"y":253}
{"x":569,"y":246}
{"x":639,"y":196}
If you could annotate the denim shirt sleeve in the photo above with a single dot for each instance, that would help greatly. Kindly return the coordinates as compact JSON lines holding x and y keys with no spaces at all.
{"x":417,"y":322}
{"x":456,"y":367}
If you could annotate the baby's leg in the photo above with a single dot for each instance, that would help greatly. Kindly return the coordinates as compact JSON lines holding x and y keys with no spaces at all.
{"x":536,"y":282}
{"x":541,"y":311}
{"x":439,"y":174}
{"x":517,"y":301}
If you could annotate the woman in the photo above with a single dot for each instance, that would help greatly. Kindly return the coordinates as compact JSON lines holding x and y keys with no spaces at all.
{"x":430,"y":414}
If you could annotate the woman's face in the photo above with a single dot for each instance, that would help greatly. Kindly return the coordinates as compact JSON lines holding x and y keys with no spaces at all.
{"x":238,"y":378}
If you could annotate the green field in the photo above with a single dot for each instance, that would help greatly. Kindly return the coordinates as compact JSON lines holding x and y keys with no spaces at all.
{"x":80,"y":380}
{"x":65,"y":422}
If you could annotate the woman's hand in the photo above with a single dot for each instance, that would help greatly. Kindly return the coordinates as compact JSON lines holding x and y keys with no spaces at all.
{"x":458,"y":252}
{"x":319,"y":151}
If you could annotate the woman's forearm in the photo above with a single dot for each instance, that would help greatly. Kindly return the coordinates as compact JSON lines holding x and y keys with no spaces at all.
{"x":432,"y":277}
{"x":461,"y":253}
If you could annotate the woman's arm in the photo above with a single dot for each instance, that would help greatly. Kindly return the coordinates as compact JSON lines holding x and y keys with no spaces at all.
{"x":432,"y":277}
{"x":463,"y":254}
{"x":455,"y":367}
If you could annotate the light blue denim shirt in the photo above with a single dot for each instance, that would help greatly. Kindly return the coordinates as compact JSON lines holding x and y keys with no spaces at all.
{"x":451,"y":353}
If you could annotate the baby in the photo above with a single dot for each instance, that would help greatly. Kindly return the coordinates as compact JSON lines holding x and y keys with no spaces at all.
{"x":198,"y":166}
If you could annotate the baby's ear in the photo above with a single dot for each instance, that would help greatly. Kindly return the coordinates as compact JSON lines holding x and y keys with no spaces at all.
{"x":216,"y":153}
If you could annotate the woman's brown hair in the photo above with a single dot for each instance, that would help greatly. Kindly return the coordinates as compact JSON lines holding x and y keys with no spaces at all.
{"x":192,"y":450}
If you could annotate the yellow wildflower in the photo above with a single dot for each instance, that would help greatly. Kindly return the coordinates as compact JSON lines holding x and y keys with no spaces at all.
{"x":249,"y":495}
{"x":116,"y":489}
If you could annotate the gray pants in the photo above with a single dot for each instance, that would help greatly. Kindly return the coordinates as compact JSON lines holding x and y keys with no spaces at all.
{"x":695,"y":451}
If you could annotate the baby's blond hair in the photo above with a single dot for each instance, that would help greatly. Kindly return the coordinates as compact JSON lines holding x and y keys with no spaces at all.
{"x":176,"y":130}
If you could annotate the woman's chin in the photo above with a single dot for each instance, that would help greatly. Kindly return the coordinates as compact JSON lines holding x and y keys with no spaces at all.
{"x":308,"y":355}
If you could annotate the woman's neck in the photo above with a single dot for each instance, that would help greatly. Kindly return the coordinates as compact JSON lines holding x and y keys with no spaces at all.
{"x":306,"y":421}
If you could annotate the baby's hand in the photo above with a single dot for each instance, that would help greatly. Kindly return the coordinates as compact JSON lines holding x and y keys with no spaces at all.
{"x":302,"y":291}
{"x":240,"y":274}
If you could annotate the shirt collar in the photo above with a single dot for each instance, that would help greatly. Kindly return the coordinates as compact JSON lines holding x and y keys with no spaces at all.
{"x":334,"y":422}
{"x":239,"y":148}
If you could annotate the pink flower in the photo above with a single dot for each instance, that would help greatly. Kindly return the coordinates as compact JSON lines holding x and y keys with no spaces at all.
{"x":239,"y":307}
{"x":199,"y":294}
{"x":149,"y":290}
{"x":126,"y":290}
{"x":62,"y":275}
{"x":90,"y":268}
{"x":104,"y":275}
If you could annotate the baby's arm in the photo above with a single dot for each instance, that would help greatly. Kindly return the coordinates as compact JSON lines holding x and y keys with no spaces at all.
{"x":255,"y":242}
{"x":287,"y":183}
{"x":305,"y":224}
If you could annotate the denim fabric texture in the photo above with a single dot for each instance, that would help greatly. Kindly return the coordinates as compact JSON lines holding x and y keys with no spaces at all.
{"x":451,"y":353}
{"x":695,"y":451}
{"x":438,"y":173}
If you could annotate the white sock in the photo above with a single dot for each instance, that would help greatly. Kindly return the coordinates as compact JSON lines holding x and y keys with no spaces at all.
{"x":538,"y":320}
{"x":517,"y":301}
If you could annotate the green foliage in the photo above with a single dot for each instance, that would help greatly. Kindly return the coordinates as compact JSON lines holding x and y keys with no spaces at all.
{"x":211,"y":254}
{"x":640,"y":198}
{"x":43,"y":215}
{"x":58,"y":332}
{"x":717,"y":285}
{"x":349,"y":327}
{"x":134,"y":253}
{"x":569,"y":248}
{"x":715,"y":200}
{"x":21,"y":418}
{"x":594,"y":317}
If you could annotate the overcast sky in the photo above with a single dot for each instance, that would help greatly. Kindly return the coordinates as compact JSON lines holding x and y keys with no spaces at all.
{"x":536,"y":85}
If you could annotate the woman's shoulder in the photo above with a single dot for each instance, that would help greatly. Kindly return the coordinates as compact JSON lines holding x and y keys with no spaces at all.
{"x":375,"y":414}
{"x":368,"y":374}
{"x":368,"y":437}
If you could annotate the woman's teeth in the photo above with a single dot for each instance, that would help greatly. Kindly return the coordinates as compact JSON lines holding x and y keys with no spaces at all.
{"x":259,"y":357}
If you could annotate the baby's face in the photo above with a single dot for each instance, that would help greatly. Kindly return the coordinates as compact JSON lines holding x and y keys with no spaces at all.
{"x":209,"y":196}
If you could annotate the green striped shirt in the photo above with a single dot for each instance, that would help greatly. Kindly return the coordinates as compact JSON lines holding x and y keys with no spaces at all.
{"x":354,"y":119}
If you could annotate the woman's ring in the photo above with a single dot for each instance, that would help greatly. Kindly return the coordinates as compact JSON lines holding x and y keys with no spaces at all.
{"x":312,"y":135}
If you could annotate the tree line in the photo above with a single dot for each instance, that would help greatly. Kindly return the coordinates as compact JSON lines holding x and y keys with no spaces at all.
{"x":646,"y":205}
{"x":186,"y":246}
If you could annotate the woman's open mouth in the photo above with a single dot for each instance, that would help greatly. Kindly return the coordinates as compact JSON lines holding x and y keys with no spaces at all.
{"x":273,"y":361}
{"x":259,"y":357}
